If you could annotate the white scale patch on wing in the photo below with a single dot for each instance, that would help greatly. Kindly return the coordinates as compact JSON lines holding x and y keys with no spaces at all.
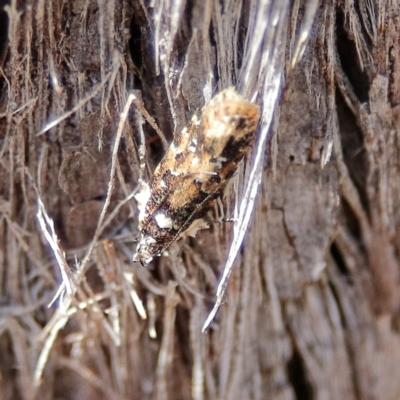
{"x":195,"y":120}
{"x":163,"y":221}
{"x":142,"y":198}
{"x":193,"y":146}
{"x":220,"y":160}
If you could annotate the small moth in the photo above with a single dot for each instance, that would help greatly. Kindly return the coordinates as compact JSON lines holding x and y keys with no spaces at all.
{"x":194,"y":173}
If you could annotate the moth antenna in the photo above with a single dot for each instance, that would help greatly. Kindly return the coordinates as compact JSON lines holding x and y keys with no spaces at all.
{"x":142,"y":145}
{"x":223,"y":220}
{"x":142,"y":113}
{"x":138,"y":101}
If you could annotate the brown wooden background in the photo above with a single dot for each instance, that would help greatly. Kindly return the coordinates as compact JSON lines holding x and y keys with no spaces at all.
{"x":312,"y":307}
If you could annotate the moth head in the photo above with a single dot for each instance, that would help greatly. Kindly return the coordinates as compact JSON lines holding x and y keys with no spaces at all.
{"x":144,"y":253}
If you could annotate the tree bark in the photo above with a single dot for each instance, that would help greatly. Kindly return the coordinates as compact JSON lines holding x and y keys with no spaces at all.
{"x":312,"y":307}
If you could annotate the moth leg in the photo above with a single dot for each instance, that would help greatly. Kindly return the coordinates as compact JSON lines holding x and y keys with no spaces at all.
{"x":219,"y":206}
{"x":141,"y":114}
{"x":138,"y":101}
{"x":223,"y":220}
{"x":194,"y":227}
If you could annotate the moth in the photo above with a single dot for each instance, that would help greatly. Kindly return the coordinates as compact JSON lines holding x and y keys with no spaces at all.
{"x":194,"y":172}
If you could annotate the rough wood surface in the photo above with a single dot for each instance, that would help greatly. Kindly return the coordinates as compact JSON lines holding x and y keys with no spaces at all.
{"x":313,"y":303}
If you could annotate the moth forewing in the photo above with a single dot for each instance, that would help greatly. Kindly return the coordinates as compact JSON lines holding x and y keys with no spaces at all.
{"x":194,"y":172}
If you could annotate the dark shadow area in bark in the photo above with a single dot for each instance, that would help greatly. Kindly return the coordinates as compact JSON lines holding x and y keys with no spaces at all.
{"x":352,"y":222}
{"x":9,"y":368}
{"x":244,"y":26}
{"x":340,"y":263}
{"x":354,"y":154}
{"x":145,"y":79}
{"x":3,"y":30}
{"x":135,"y":43}
{"x":298,"y":379}
{"x":349,"y":60}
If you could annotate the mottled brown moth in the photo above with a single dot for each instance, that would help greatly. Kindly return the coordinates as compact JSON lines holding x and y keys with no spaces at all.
{"x":194,"y":173}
